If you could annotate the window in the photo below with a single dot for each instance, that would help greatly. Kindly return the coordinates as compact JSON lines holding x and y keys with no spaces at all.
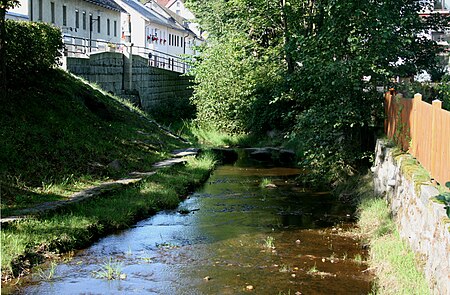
{"x":64,"y":15}
{"x":178,"y":40}
{"x":84,"y":20}
{"x":115,"y":28}
{"x":40,"y":10}
{"x":170,"y":40}
{"x":52,"y":12}
{"x":77,"y":19}
{"x":90,"y":22}
{"x":98,"y":24}
{"x":108,"y":29}
{"x":178,"y":3}
{"x":438,"y":37}
{"x":178,"y":12}
{"x":442,"y":4}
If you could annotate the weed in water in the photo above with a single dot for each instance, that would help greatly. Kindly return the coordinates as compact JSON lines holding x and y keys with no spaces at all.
{"x":110,"y":270}
{"x":285,"y":268}
{"x":358,"y":258}
{"x":269,"y":242}
{"x":313,"y":270}
{"x":48,"y":274}
{"x":266,"y":183}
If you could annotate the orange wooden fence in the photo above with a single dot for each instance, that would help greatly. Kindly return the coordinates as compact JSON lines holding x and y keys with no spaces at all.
{"x":423,"y":130}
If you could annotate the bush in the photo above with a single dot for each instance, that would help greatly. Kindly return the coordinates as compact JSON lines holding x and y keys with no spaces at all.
{"x":30,"y":48}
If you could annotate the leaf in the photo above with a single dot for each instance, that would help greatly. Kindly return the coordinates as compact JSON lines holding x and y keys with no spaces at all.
{"x":447,"y":184}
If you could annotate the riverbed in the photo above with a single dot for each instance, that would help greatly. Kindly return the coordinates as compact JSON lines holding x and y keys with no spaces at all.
{"x":249,"y":229}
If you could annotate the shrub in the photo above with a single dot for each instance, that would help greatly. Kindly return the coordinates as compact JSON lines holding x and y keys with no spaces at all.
{"x":30,"y":48}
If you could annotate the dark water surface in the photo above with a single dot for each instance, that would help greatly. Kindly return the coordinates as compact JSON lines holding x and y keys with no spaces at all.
{"x":215,"y":243}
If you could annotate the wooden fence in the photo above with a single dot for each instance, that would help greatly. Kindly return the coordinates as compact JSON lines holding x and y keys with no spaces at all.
{"x":423,"y":130}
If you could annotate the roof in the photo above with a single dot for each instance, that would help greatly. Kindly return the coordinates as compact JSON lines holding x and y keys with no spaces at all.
{"x":108,"y":4}
{"x":170,"y":3}
{"x":163,"y":3}
{"x":152,"y":16}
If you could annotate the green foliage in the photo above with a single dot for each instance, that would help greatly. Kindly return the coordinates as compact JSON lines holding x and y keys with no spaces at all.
{"x":430,"y":91}
{"x":31,"y":48}
{"x":444,"y":198}
{"x":444,"y":92}
{"x":310,"y":69}
{"x":232,"y":85}
{"x":172,"y":110}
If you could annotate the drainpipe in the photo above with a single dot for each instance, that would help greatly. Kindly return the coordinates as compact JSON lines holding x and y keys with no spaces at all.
{"x":130,"y":67}
{"x":184,"y":52}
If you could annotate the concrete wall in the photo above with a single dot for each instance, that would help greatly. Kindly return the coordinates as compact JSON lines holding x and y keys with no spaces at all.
{"x":110,"y":70}
{"x":422,"y":222}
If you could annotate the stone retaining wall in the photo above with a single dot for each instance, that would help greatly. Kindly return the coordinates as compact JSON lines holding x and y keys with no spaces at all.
{"x":421,"y":221}
{"x":110,"y":70}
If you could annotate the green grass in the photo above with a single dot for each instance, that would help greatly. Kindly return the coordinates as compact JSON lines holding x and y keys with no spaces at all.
{"x":396,"y":267}
{"x":110,"y":270}
{"x":58,"y":135}
{"x":210,"y":137}
{"x":269,"y":242}
{"x":265,"y":182}
{"x":78,"y":225}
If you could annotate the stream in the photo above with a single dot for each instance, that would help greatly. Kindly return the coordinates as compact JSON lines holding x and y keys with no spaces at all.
{"x":232,"y":236}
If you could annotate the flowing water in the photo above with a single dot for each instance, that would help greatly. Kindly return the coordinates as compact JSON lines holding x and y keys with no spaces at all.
{"x":230,"y":237}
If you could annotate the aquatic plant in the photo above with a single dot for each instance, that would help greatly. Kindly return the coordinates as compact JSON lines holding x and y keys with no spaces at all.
{"x":110,"y":270}
{"x":269,"y":242}
{"x":313,"y":270}
{"x":48,"y":274}
{"x":265,"y":182}
{"x":285,"y":268}
{"x":358,"y":258}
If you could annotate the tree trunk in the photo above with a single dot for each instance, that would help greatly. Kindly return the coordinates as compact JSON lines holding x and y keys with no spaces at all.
{"x":284,"y":23}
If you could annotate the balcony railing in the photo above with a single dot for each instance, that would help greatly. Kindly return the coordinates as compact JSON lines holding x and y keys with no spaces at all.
{"x":84,"y":47}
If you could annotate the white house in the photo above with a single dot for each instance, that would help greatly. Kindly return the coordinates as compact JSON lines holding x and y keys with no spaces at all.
{"x":80,"y":20}
{"x":150,"y":29}
{"x":442,"y":38}
{"x":18,"y":13}
{"x":178,"y":8}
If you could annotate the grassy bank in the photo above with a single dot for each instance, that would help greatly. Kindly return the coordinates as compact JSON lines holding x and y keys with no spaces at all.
{"x":396,"y":267}
{"x":25,"y":243}
{"x":60,"y":135}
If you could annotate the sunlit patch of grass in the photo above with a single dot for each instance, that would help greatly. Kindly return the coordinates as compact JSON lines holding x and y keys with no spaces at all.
{"x":214,"y":138}
{"x":395,"y":265}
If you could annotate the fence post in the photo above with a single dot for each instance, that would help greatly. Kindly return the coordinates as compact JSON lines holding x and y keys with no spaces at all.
{"x":414,"y":136}
{"x":437,"y":105}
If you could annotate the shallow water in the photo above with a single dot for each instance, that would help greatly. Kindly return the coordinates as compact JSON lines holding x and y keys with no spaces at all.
{"x":215,"y":243}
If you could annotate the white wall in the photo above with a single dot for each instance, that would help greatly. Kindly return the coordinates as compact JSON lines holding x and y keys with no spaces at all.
{"x":20,"y":12}
{"x":84,"y":8}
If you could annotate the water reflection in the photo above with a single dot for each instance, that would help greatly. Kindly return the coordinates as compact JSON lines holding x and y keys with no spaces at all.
{"x":216,"y":245}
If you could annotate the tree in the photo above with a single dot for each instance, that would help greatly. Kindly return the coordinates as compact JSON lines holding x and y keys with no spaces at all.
{"x":4,"y":6}
{"x":327,"y":58}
